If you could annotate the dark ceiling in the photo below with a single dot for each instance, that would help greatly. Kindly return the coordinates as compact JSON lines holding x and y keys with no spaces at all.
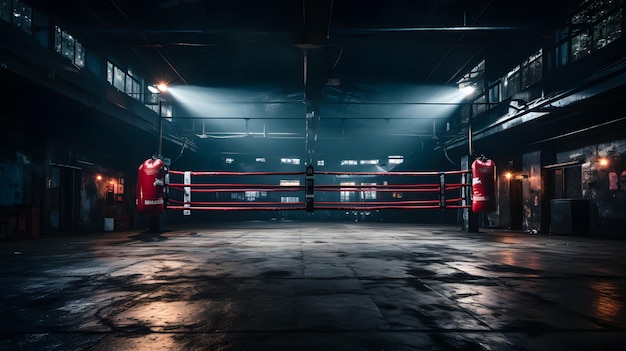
{"x":368,"y":69}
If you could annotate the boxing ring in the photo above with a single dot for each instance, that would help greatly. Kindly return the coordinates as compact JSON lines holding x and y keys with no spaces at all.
{"x":312,"y":190}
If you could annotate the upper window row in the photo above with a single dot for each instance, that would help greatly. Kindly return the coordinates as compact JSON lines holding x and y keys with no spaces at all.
{"x":598,"y":24}
{"x":20,"y":15}
{"x":17,"y":13}
{"x":69,"y":47}
{"x":123,"y":81}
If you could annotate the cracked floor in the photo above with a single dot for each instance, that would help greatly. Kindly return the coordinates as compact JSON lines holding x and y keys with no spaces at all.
{"x":313,"y":286}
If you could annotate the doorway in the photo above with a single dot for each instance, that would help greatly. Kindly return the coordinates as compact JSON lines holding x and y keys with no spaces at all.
{"x":64,"y":190}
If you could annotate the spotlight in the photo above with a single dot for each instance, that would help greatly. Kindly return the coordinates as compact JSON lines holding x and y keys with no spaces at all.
{"x":158,"y":88}
{"x":162,"y":87}
{"x":508,"y":175}
{"x":468,"y":90}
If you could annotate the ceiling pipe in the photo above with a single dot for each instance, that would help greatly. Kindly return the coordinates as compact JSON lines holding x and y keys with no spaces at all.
{"x":233,"y":118}
{"x":294,"y":102}
{"x":435,"y":29}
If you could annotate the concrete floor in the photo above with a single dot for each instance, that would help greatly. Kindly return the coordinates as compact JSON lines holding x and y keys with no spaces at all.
{"x":313,"y":286}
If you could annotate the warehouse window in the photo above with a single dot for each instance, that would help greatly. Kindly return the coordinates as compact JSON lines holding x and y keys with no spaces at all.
{"x":511,"y":83}
{"x":152,"y":102}
{"x":594,"y":27}
{"x":132,"y":86}
{"x":368,"y":162}
{"x":17,"y":13}
{"x":529,"y":72}
{"x":346,"y":194}
{"x":253,"y":195}
{"x":521,"y":77}
{"x":22,"y":16}
{"x":368,"y":194}
{"x":127,"y":83}
{"x":532,"y":69}
{"x":607,"y":30}
{"x":395,"y":160}
{"x":66,"y":45}
{"x":290,"y":161}
{"x":494,"y":92}
{"x":581,"y":46}
{"x":349,"y":162}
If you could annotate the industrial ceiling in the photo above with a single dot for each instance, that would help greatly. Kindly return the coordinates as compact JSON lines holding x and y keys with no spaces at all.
{"x":312,"y":78}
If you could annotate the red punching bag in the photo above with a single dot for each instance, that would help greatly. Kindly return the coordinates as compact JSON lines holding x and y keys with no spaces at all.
{"x":150,"y":187}
{"x":483,"y":185}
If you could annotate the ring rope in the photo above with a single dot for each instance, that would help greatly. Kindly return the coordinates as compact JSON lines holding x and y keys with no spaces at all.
{"x":234,"y":208}
{"x":442,"y":202}
{"x":212,"y":173}
{"x":239,"y":190}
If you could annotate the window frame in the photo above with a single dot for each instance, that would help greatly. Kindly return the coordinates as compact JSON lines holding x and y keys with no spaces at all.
{"x":69,"y":47}
{"x":126,"y":82}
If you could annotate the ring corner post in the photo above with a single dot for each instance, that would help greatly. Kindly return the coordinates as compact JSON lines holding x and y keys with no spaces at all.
{"x":469,"y":219}
{"x":309,"y":189}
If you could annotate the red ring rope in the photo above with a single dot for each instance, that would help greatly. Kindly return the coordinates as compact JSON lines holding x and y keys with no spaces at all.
{"x":436,"y":188}
{"x":207,"y":173}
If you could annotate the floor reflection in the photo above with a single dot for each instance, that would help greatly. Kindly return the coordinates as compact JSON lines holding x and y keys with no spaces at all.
{"x":606,"y":306}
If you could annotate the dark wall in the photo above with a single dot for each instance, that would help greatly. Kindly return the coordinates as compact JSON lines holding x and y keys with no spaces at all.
{"x":51,"y":150}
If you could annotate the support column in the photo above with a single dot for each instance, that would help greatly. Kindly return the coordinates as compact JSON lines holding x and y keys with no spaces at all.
{"x":312,"y":122}
{"x":309,"y":189}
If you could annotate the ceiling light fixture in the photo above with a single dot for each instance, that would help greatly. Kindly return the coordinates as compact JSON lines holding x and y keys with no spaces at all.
{"x":157,"y":88}
{"x":468,"y":90}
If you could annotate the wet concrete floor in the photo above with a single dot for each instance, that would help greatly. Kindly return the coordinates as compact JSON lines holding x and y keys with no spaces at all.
{"x":313,"y":286}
